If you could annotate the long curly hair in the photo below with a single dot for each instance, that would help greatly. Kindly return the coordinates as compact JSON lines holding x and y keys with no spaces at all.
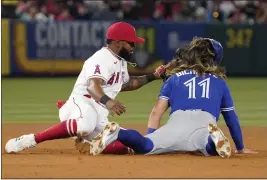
{"x":197,"y":56}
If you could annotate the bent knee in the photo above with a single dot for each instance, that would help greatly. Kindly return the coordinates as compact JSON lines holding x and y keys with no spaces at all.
{"x":64,"y":113}
{"x":86,"y":126}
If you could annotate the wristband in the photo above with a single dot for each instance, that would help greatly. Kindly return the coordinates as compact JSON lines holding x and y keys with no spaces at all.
{"x":104,"y":99}
{"x":150,"y":130}
{"x":150,"y":77}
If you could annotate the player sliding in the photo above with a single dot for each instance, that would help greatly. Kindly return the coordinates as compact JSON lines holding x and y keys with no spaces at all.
{"x":196,"y":93}
{"x":103,"y":76}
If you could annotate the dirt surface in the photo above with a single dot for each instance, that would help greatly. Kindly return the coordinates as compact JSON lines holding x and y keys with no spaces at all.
{"x":59,"y":159}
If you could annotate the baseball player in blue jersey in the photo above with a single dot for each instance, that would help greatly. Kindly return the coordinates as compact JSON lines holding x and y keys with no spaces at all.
{"x":196,"y":94}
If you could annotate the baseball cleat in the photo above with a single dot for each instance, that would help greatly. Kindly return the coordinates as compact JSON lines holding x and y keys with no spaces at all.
{"x":222,"y":144}
{"x":107,"y":136}
{"x":18,"y":144}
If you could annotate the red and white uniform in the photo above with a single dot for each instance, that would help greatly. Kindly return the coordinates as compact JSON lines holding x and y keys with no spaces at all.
{"x":91,"y":116}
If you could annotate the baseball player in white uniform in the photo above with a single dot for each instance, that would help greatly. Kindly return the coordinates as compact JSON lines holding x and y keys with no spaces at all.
{"x":102,"y":77}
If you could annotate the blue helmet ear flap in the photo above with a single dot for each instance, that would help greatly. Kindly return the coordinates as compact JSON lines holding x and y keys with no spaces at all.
{"x":217,"y":47}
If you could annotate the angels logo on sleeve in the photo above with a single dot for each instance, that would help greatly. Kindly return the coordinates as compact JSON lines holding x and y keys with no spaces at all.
{"x":97,"y":69}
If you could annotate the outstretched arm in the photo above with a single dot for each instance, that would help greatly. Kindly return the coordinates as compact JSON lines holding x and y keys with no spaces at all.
{"x":232,"y":122}
{"x":156,"y":114}
{"x":160,"y":107}
{"x":136,"y":82}
{"x":231,"y":119}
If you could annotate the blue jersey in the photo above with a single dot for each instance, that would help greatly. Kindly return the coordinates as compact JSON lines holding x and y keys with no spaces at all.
{"x":187,"y":91}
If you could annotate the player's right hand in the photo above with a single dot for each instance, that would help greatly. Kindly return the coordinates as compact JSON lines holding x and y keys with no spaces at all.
{"x":115,"y":107}
{"x":160,"y":72}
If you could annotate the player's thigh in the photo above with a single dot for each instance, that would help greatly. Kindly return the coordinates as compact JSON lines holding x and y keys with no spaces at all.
{"x":164,"y":140}
{"x":171,"y":137}
{"x":199,"y":137}
{"x":101,"y":121}
{"x":66,"y":110}
{"x":85,"y":115}
{"x":184,"y":131}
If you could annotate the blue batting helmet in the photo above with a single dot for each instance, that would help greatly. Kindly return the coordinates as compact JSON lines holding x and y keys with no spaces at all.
{"x":217,"y":47}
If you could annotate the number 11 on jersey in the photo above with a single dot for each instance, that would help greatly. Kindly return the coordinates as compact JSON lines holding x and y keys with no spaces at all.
{"x":191,"y":84}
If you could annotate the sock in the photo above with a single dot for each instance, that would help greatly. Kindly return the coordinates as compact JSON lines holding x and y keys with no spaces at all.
{"x":135,"y":140}
{"x":210,"y":147}
{"x":62,"y":130}
{"x":117,"y":148}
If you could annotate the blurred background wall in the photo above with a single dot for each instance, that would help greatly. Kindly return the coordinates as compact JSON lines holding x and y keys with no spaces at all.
{"x":55,"y":37}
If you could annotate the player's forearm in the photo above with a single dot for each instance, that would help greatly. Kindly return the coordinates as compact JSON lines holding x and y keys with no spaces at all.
{"x":156,"y":114}
{"x":95,"y":90}
{"x":154,"y":119}
{"x":232,"y":122}
{"x":136,"y":82}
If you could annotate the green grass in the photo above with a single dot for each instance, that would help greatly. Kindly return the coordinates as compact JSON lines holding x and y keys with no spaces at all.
{"x":34,"y":99}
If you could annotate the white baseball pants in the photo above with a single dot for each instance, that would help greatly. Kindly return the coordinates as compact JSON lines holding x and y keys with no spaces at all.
{"x":90,"y":116}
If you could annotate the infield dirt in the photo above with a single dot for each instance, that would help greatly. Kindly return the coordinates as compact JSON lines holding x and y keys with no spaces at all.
{"x":60,"y":159}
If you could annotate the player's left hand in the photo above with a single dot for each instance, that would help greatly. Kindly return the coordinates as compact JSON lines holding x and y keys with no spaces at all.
{"x":159,"y":72}
{"x":246,"y":152}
